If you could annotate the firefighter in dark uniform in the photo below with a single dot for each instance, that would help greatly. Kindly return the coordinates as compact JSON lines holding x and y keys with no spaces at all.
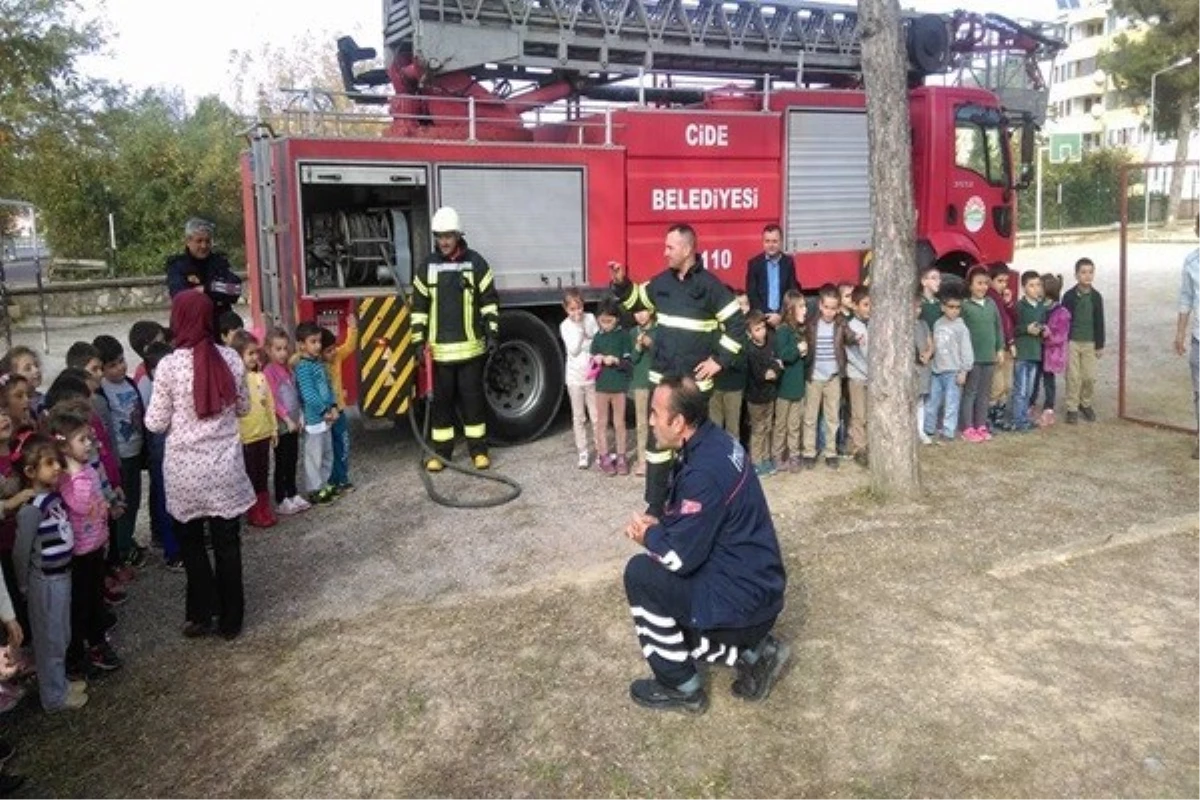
{"x":710,"y":585}
{"x":456,"y":315}
{"x":202,"y":269}
{"x":700,"y":330}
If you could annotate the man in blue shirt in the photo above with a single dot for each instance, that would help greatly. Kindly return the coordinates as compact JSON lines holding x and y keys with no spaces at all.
{"x":1189,"y":310}
{"x":711,"y":583}
{"x":770,"y":275}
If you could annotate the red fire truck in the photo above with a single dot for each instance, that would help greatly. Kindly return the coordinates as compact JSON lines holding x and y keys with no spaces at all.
{"x":571,"y":133}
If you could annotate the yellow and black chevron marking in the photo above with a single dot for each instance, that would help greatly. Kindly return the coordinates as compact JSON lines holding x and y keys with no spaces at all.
{"x":864,"y":267}
{"x":386,"y":370}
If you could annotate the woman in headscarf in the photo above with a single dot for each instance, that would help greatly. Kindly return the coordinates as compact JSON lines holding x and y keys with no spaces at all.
{"x":199,"y":392}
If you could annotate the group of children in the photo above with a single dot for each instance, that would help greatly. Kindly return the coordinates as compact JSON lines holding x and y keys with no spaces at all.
{"x":984,"y":355}
{"x":993,"y":351}
{"x":71,"y":463}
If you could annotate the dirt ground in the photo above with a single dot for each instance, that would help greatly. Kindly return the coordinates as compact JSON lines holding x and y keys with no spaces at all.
{"x":1028,"y":628}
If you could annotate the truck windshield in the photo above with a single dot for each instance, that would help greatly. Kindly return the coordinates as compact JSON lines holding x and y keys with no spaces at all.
{"x":979,"y":143}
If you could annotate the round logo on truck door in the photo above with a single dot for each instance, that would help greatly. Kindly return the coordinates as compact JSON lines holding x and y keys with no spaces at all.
{"x":974,"y":214}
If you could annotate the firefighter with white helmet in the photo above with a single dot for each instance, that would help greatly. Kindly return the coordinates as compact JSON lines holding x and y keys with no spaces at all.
{"x":455,"y":313}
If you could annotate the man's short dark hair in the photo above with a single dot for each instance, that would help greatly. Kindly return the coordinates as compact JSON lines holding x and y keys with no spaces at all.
{"x":859,"y":293}
{"x":829,"y":290}
{"x":307,"y":329}
{"x":71,"y":383}
{"x":773,"y":227}
{"x":1084,"y":262}
{"x":142,"y":333}
{"x":108,"y":348}
{"x":80,"y":353}
{"x":1030,"y":275}
{"x":609,"y":306}
{"x":687,"y":232}
{"x":996,"y":270}
{"x":686,"y":399}
{"x":228,"y":322}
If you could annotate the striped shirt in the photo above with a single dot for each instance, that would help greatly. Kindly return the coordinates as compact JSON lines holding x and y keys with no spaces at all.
{"x":825,"y":365}
{"x":44,"y":537}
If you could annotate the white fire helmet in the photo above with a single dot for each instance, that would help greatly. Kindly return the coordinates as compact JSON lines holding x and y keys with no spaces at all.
{"x":445,"y":220}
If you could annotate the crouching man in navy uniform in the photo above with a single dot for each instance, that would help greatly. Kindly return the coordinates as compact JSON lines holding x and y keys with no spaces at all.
{"x":710,"y":584}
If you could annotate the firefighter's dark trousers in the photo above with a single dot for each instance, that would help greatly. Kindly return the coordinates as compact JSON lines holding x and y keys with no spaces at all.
{"x":458,"y":391}
{"x":661,"y":604}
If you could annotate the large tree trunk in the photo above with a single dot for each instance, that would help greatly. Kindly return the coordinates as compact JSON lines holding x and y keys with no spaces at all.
{"x":1181,"y":153}
{"x":891,"y":423}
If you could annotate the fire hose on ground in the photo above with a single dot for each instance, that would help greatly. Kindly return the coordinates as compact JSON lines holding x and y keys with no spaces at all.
{"x":424,"y":390}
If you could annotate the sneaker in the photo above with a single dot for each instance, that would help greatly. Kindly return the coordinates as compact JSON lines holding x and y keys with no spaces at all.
{"x":607,"y":464}
{"x":1087,"y":413}
{"x":321,"y":497}
{"x":299,"y":504}
{"x":343,"y":488}
{"x":985,"y":435}
{"x":286,"y":508}
{"x":1047,"y":418}
{"x":585,"y":460}
{"x":72,"y":703}
{"x":622,"y":465}
{"x":174,"y":565}
{"x":971,"y":435}
{"x":763,"y":470}
{"x":809,"y":462}
{"x":11,"y":695}
{"x":832,"y":462}
{"x":195,"y":630}
{"x":1072,"y":417}
{"x":115,"y":597}
{"x":136,"y":557}
{"x":754,"y":681}
{"x":122,"y":573}
{"x":102,"y":656}
{"x":649,"y":693}
{"x":925,"y":438}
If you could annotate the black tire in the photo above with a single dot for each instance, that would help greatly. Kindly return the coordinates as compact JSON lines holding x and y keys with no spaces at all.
{"x":524,"y":379}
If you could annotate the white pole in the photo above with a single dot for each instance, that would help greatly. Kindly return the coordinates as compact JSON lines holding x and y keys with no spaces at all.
{"x":1037,"y":230}
{"x":112,"y":233}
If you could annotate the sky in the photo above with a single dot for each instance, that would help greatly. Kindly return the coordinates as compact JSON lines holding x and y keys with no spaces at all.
{"x":155,"y":43}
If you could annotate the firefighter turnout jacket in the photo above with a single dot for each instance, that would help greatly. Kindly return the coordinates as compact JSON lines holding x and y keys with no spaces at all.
{"x":717,"y":533}
{"x":455,"y":310}
{"x":698,"y":317}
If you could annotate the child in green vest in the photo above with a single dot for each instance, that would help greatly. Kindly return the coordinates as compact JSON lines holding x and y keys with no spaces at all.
{"x":791,"y":348}
{"x":611,"y":358}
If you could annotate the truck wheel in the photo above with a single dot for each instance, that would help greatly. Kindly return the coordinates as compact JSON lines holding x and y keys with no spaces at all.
{"x":524,"y":379}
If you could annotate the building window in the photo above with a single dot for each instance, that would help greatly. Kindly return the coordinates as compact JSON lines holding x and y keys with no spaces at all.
{"x":1091,"y":141}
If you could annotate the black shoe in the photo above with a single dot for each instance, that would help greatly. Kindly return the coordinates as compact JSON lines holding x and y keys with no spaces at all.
{"x":808,"y":463}
{"x":136,"y":557}
{"x":7,"y":750}
{"x":649,"y":693}
{"x":195,"y":630}
{"x":9,"y":783}
{"x":1087,"y":413}
{"x":231,"y":634}
{"x":831,"y":462}
{"x":1072,"y":417}
{"x":861,"y":459}
{"x":754,"y":681}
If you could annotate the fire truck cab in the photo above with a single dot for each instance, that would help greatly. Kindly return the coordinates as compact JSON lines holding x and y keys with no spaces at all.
{"x":551,"y":190}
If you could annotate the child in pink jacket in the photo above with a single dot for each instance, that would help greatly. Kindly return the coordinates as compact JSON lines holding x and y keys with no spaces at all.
{"x":1054,"y":345}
